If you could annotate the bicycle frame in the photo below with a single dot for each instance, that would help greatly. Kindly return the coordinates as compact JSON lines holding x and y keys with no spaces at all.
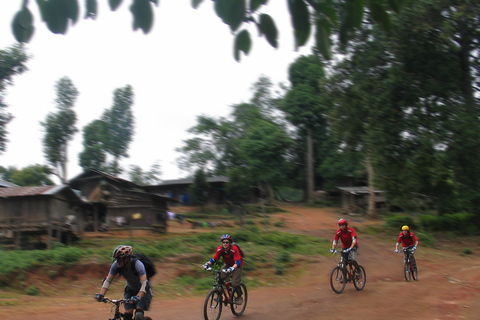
{"x":409,"y":260}
{"x":346,"y":271}
{"x":222,"y":294}
{"x":117,"y":315}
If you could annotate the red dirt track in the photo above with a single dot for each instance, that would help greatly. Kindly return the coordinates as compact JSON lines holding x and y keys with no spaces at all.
{"x":448,"y":286}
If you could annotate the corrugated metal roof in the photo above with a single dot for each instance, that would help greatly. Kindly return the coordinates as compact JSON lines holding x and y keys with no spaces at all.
{"x":28,"y":191}
{"x":190,"y":181}
{"x":357,"y":190}
{"x":6,"y":184}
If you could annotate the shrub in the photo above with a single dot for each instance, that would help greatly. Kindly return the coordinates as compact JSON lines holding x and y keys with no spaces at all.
{"x":284,"y":256}
{"x":31,"y":291}
{"x":397,"y":221}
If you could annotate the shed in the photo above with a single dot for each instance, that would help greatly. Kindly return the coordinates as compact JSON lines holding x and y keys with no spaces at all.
{"x":355,"y":199}
{"x":120,"y":203}
{"x":179,"y":190}
{"x":51,"y":211}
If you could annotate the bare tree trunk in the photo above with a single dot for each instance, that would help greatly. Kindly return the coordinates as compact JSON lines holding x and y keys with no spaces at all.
{"x":371,"y":210}
{"x":310,"y":173}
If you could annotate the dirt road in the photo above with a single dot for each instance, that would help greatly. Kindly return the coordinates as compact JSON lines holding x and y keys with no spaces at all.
{"x":448,"y":286}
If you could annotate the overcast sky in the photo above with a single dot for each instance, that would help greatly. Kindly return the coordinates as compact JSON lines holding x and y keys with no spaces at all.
{"x":182,"y":69}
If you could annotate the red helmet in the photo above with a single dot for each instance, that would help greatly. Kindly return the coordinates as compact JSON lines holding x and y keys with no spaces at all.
{"x":342,"y":222}
{"x":226,"y":237}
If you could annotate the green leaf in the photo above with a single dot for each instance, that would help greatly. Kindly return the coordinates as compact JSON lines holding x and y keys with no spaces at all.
{"x":114,"y":4}
{"x":242,"y":43}
{"x":22,"y":25}
{"x":56,"y":16}
{"x":268,"y":28}
{"x":72,"y":10}
{"x":327,"y":7}
{"x":300,"y":20}
{"x":232,"y":12}
{"x":196,"y":3}
{"x":142,"y":15}
{"x":322,"y":37}
{"x":255,"y":4}
{"x":379,"y":14}
{"x":91,"y":9}
{"x":354,"y":13}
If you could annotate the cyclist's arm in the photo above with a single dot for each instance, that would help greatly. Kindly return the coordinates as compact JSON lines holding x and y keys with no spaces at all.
{"x":334,"y":244}
{"x":106,"y":284}
{"x":354,"y":242}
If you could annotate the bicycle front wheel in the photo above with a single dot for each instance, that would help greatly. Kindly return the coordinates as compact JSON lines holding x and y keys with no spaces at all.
{"x":239,"y":301}
{"x":212,"y":308}
{"x":338,"y":279}
{"x":359,"y":278}
{"x":414,"y":269}
{"x":406,"y":270}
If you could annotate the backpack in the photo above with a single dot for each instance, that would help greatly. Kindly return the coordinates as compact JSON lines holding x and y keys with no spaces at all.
{"x":149,"y":265}
{"x":239,"y":249}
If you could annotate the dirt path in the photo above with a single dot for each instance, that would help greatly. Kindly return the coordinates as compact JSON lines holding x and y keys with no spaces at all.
{"x":448,"y":288}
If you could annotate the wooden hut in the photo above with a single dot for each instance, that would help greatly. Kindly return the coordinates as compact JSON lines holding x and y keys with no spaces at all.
{"x":52,"y":211}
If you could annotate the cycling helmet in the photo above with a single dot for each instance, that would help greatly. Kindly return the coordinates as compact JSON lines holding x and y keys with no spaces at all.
{"x":342,"y":222}
{"x":405,"y":228}
{"x":226,"y":237}
{"x":122,"y":251}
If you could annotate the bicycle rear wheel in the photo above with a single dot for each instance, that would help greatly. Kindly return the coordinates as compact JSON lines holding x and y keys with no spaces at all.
{"x":338,"y":279}
{"x":237,"y":306}
{"x":406,"y":270}
{"x":212,"y":308}
{"x":414,"y":268}
{"x":359,"y":278}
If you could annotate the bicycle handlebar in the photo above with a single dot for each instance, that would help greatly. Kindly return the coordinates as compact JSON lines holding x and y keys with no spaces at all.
{"x":116,"y":301}
{"x":342,"y":251}
{"x":215,"y":270}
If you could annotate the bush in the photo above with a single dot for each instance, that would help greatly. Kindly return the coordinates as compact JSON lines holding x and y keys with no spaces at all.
{"x":449,"y":222}
{"x":31,"y":291}
{"x":426,"y":239}
{"x":397,"y":221}
{"x":284,"y":256}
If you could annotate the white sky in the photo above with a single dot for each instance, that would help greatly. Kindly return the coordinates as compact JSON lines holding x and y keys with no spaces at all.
{"x":183,"y":68}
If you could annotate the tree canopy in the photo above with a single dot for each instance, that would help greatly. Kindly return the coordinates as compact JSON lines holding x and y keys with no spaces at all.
{"x":309,"y":18}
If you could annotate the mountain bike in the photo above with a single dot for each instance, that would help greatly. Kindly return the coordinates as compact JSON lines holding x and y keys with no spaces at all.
{"x":115,"y":304}
{"x":347,"y":271}
{"x":410,"y":265}
{"x":221,"y":295}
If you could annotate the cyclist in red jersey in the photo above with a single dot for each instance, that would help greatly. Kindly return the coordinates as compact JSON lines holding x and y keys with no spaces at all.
{"x":407,"y":239}
{"x":348,"y":236}
{"x":233,"y":263}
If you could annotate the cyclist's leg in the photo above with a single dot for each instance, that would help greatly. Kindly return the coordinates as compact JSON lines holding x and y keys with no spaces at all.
{"x":144,"y":304}
{"x":128,"y":307}
{"x":236,"y":280}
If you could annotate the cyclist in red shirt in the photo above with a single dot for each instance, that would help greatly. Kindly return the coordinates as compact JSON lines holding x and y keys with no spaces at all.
{"x":348,"y":236}
{"x":409,"y":241}
{"x":233,"y":263}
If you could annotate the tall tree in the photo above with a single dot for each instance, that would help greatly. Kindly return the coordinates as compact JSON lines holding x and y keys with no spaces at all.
{"x":304,"y":109}
{"x":60,"y":128}
{"x":12,"y":62}
{"x":120,"y":126}
{"x":111,"y":135}
{"x":199,"y":188}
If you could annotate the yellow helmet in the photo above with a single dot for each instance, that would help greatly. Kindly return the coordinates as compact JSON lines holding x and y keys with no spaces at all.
{"x":405,"y":228}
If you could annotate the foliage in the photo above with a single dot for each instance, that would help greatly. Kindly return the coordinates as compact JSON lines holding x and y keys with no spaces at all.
{"x":12,"y":62}
{"x":33,"y":175}
{"x":31,"y":291}
{"x":397,"y":221}
{"x":138,"y":176}
{"x":317,"y":19}
{"x":456,"y":222}
{"x":199,"y":188}
{"x":60,"y":127}
{"x":111,"y":135}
